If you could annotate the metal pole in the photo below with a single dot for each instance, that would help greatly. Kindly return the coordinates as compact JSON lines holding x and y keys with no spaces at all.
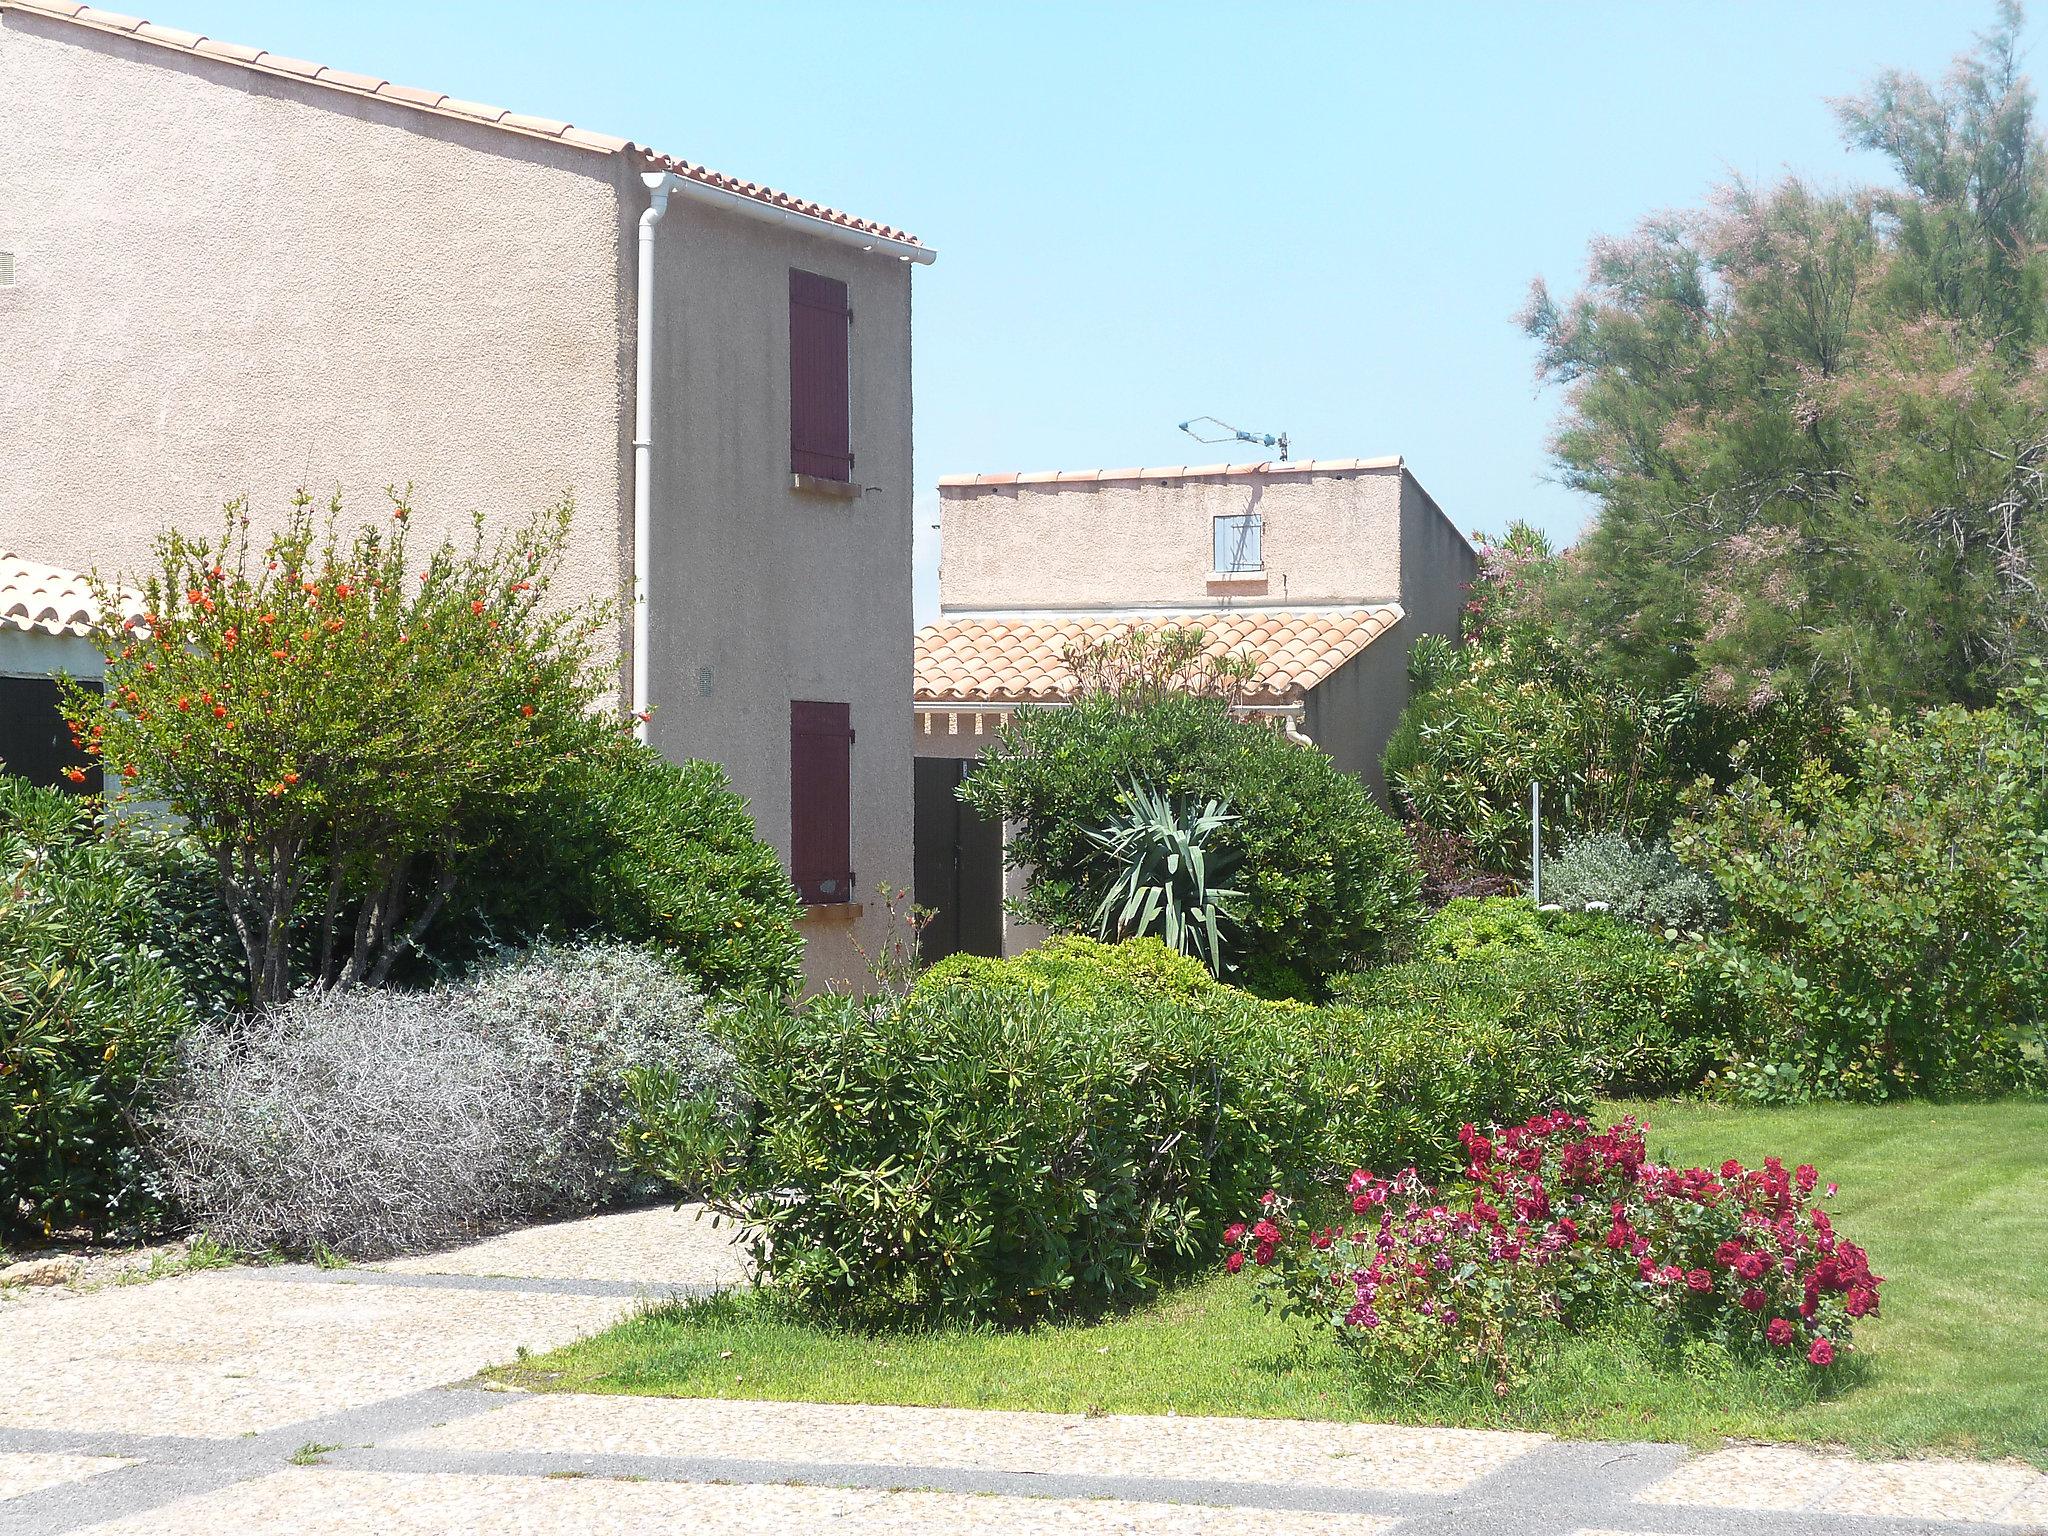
{"x":1536,"y":843}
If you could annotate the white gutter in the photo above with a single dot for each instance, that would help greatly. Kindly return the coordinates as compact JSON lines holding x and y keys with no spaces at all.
{"x":660,"y":186}
{"x":824,"y":229}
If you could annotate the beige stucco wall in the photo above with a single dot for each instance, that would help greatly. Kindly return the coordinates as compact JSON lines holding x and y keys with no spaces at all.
{"x":1352,"y":713}
{"x":1438,"y":564}
{"x":1328,"y":538}
{"x":229,"y":282}
{"x":763,"y":593}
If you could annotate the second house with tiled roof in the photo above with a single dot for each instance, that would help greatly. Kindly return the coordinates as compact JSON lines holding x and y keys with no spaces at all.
{"x":227,"y":271}
{"x":1324,"y":571}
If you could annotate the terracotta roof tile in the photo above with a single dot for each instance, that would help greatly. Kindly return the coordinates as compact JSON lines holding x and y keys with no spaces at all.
{"x":434,"y":101}
{"x":1167,"y":472}
{"x":47,"y":599}
{"x":1022,"y":661}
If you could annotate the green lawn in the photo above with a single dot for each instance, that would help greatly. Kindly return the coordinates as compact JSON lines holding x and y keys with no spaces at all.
{"x":1951,"y":1201}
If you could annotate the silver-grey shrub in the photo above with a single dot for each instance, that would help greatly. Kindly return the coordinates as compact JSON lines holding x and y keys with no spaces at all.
{"x":1638,"y":883}
{"x":370,"y":1123}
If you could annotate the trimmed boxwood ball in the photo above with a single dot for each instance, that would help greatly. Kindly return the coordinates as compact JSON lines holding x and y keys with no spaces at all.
{"x":1329,"y":881}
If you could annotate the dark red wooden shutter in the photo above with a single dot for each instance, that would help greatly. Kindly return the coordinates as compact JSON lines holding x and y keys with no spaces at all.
{"x":821,"y":801}
{"x":820,"y":421}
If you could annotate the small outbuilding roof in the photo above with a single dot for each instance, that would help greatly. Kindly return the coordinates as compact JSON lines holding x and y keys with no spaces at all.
{"x":439,"y":103}
{"x":968,"y":484}
{"x":977,"y":660}
{"x":47,"y":599}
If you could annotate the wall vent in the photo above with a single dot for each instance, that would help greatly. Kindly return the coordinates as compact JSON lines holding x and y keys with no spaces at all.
{"x":6,"y":269}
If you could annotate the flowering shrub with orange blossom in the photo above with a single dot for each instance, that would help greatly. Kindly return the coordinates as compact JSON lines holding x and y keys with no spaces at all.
{"x":336,"y":716}
{"x":1552,"y":1227}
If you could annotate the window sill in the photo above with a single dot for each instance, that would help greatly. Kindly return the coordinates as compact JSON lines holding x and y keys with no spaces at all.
{"x":832,"y":913}
{"x":813,"y":485}
{"x":1236,"y":576}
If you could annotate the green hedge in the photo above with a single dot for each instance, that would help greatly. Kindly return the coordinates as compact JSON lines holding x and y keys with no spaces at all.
{"x":999,"y":1148}
{"x":1635,"y":1013}
{"x":1068,"y":1129}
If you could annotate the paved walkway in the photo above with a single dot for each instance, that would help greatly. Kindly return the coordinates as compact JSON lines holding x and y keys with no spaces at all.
{"x":296,"y":1400}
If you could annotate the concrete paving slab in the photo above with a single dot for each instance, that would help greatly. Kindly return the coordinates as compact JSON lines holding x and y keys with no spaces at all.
{"x":660,"y":1246}
{"x":341,"y":1503}
{"x":1268,"y":1451}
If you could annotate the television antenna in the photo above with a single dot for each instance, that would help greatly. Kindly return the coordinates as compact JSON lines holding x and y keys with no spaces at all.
{"x":1224,"y":432}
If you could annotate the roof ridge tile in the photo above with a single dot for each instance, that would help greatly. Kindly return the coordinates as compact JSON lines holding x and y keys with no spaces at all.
{"x":440,"y":102}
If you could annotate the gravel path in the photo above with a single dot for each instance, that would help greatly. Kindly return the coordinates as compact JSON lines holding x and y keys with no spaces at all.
{"x":300,"y":1400}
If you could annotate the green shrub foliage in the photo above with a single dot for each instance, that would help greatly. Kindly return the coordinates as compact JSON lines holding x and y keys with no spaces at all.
{"x":1064,"y":1131}
{"x":338,"y":716}
{"x":630,"y":846}
{"x":1602,"y":1004}
{"x":1889,"y":929}
{"x":1003,"y":1148}
{"x":1328,"y":880}
{"x":1637,"y":882}
{"x":89,"y":1010}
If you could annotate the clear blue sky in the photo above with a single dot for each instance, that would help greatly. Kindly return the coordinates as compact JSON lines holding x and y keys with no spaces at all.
{"x":1316,"y":218}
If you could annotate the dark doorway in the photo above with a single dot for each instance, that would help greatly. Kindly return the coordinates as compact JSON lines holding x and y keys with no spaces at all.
{"x":35,"y":743}
{"x":958,"y":868}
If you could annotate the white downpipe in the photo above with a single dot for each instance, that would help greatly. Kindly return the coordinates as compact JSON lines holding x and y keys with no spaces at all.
{"x":643,"y":448}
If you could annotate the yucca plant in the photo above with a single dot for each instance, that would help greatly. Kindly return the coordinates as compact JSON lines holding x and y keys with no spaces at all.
{"x":1165,"y":874}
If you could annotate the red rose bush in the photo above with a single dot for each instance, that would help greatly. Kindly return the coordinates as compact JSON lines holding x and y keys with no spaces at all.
{"x":1552,"y":1226}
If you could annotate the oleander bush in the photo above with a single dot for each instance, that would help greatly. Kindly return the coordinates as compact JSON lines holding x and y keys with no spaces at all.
{"x":90,"y":1008}
{"x":1003,"y":1148}
{"x":1328,"y":881}
{"x":1630,"y":1010}
{"x":1552,"y":1227}
{"x":365,"y":1122}
{"x":1638,"y":882}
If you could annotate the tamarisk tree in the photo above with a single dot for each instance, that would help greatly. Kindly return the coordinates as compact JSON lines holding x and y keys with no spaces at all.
{"x":337,"y":717}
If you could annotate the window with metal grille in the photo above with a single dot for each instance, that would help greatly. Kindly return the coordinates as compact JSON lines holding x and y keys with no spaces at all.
{"x":1237,"y":543}
{"x":6,"y":269}
{"x":820,"y":407}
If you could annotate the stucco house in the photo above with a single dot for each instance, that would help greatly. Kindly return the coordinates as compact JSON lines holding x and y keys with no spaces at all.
{"x":226,"y":271}
{"x":1323,"y":570}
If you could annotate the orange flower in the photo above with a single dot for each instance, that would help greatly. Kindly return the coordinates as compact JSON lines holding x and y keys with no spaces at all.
{"x":184,"y":706}
{"x":220,"y":711}
{"x":129,"y":771}
{"x":341,"y":589}
{"x":291,"y":778}
{"x":75,"y":775}
{"x":280,"y":655}
{"x":526,"y":710}
{"x":477,"y":606}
